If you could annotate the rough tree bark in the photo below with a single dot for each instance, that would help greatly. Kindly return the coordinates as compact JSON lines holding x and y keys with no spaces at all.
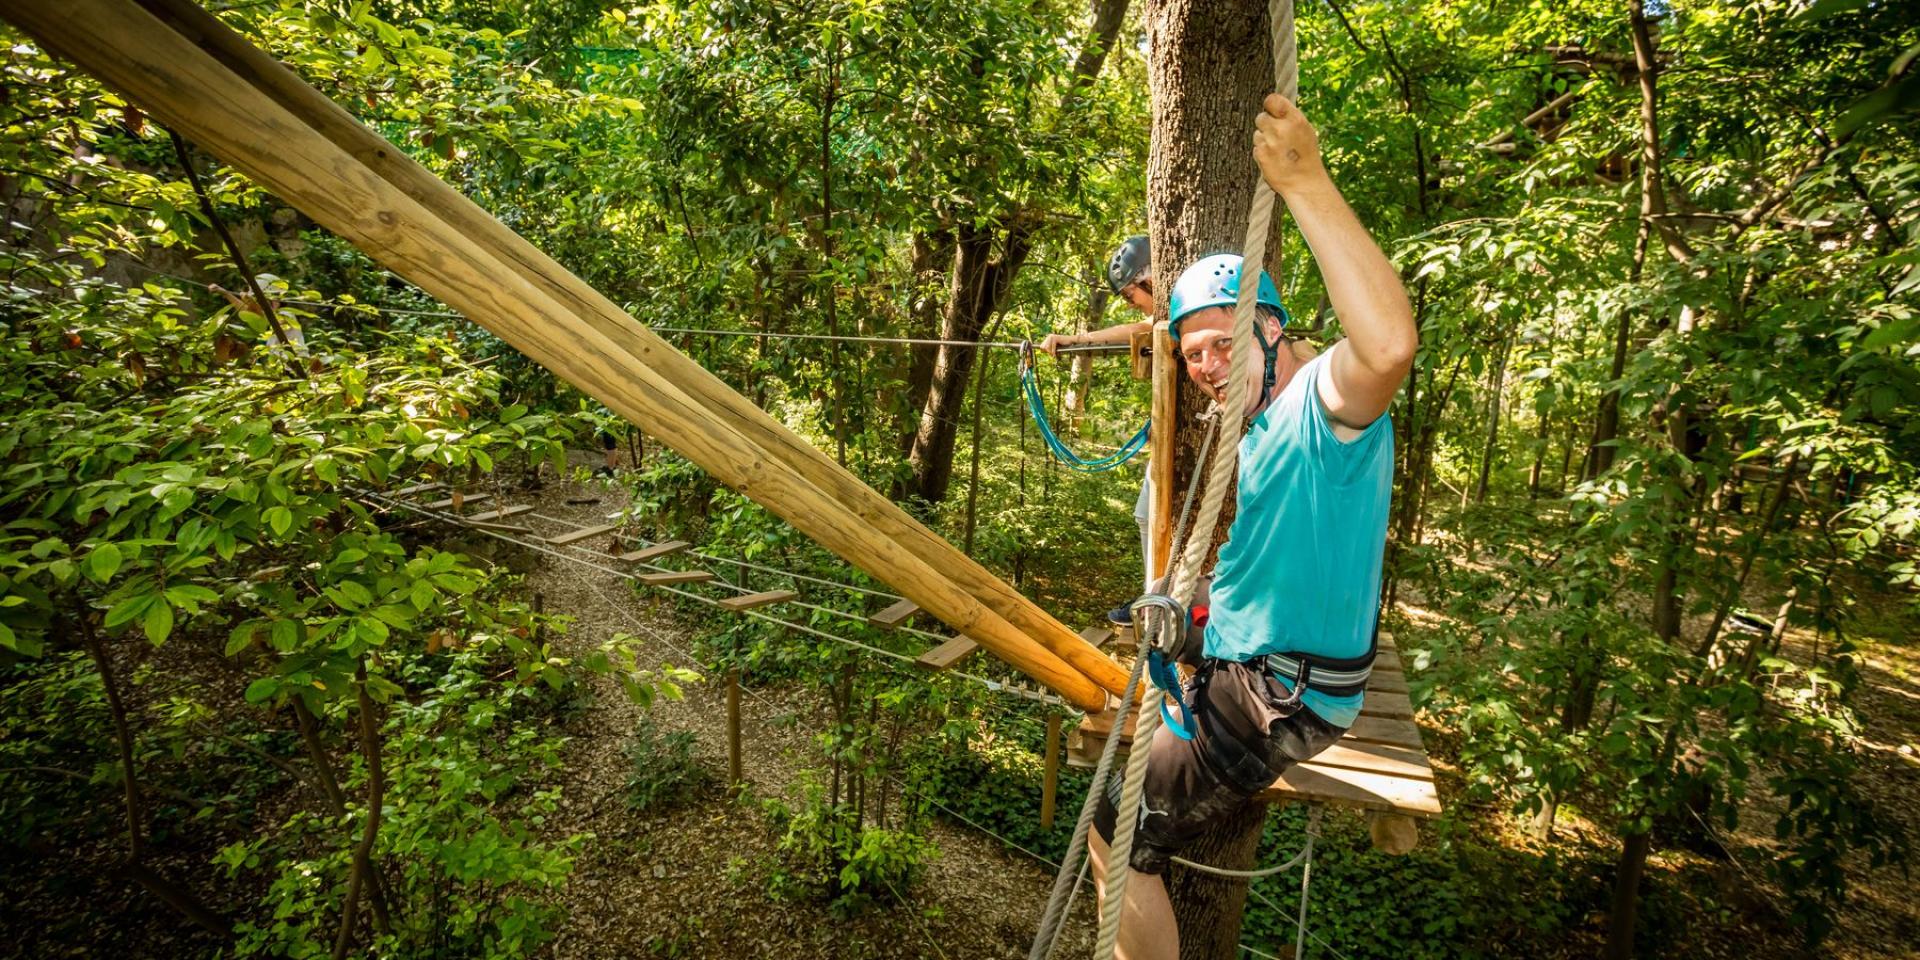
{"x":987,"y":257}
{"x":1209,"y":65}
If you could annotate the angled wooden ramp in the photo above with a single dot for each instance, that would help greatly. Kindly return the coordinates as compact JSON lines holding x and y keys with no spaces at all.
{"x":195,"y":74}
{"x":1380,"y":766}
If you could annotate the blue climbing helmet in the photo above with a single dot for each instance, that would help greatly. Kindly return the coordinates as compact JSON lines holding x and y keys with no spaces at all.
{"x":1215,"y":282}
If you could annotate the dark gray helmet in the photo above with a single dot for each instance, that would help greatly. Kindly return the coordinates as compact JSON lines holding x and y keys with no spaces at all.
{"x":1129,"y":261}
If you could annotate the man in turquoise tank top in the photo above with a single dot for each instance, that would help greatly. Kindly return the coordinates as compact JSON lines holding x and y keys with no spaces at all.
{"x":1288,"y":642}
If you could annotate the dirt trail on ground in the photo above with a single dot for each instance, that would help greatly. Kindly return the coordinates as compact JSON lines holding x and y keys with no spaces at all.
{"x":693,"y":881}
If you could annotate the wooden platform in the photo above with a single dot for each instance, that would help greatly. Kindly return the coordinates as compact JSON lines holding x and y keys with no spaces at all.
{"x":583,"y":533}
{"x":892,"y":617}
{"x":655,"y":551}
{"x":466,"y":500}
{"x":947,"y":654}
{"x":503,"y":513}
{"x":675,"y":576}
{"x":1380,"y":766}
{"x":750,"y":600}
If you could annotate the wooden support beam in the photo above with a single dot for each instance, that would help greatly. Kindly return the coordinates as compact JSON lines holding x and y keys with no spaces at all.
{"x":734,"y":765}
{"x":195,"y":74}
{"x":892,"y":617}
{"x":584,"y":533}
{"x":947,"y":654}
{"x":1050,"y":781}
{"x":1166,"y":386}
{"x":674,"y":576}
{"x":656,"y":551}
{"x":750,"y":600}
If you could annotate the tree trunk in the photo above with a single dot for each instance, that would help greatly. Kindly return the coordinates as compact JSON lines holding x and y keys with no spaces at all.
{"x":980,"y":285}
{"x":1496,"y":383}
{"x":932,"y":258}
{"x":1080,"y":367}
{"x":1626,"y":895}
{"x":1209,"y":66}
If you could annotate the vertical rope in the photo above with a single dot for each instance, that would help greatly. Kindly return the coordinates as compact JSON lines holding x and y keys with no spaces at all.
{"x":1185,"y":572}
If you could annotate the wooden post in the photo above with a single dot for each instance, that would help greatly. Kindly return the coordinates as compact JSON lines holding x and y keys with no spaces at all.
{"x":1050,"y":787}
{"x":1166,"y":392}
{"x":734,"y":776}
{"x":256,"y":115}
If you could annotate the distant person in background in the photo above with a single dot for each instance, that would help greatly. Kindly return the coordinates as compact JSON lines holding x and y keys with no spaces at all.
{"x":1130,"y":277}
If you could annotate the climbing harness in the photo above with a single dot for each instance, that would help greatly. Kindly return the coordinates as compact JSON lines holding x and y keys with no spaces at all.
{"x":1037,"y":408}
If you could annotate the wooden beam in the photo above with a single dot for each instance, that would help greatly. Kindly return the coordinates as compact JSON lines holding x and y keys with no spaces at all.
{"x":1097,"y":636}
{"x":267,"y":123}
{"x":1356,"y":788}
{"x":584,"y":533}
{"x":1166,"y":386}
{"x":655,"y":551}
{"x":751,"y":600}
{"x":892,"y":617}
{"x":947,"y":654}
{"x":776,"y":466}
{"x":1050,"y":778}
{"x":674,"y":576}
{"x":418,"y":488}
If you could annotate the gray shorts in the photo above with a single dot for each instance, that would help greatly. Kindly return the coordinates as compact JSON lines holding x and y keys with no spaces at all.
{"x":1241,"y":743}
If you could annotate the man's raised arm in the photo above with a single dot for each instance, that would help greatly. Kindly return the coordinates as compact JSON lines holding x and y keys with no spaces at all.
{"x":1367,"y":367}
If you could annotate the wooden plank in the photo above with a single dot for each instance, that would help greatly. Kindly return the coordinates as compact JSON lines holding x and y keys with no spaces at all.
{"x":947,"y":654}
{"x":657,"y":550}
{"x":418,"y":488}
{"x":1097,"y":635}
{"x":674,"y":576}
{"x":1166,"y":384}
{"x":1376,"y":758}
{"x":465,"y":501}
{"x":1394,"y":706}
{"x":200,"y":77}
{"x":1394,"y":733}
{"x":892,"y":617}
{"x":1386,"y":681}
{"x":498,"y":527}
{"x":751,"y":600}
{"x":1387,"y":659}
{"x":584,"y":533}
{"x":504,"y":512}
{"x":1369,"y":791}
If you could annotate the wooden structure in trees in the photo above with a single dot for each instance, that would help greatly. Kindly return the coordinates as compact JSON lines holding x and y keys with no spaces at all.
{"x":185,"y":67}
{"x":947,"y":654}
{"x":763,"y":599}
{"x":892,"y":617}
{"x":658,"y":550}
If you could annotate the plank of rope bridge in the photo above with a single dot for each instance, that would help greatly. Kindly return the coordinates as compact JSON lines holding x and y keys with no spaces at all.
{"x":892,"y":617}
{"x":504,"y":512}
{"x":256,"y":115}
{"x":657,"y":382}
{"x":1097,"y":636}
{"x":947,"y":654}
{"x":751,"y":600}
{"x":418,"y":488}
{"x":657,"y":550}
{"x":584,"y":533}
{"x":459,"y":501}
{"x":675,"y":576}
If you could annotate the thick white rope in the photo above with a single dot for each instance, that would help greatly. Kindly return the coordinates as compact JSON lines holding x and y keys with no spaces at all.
{"x":1225,"y":464}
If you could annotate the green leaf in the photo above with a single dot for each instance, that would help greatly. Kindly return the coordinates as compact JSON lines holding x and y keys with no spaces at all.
{"x":1893,"y":99}
{"x":159,"y":622}
{"x":263,"y":689}
{"x":1822,"y":9}
{"x":103,"y":562}
{"x":128,"y":609}
{"x":285,"y":635}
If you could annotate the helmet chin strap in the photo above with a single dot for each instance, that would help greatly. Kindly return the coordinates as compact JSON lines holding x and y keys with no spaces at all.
{"x":1272,"y":353}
